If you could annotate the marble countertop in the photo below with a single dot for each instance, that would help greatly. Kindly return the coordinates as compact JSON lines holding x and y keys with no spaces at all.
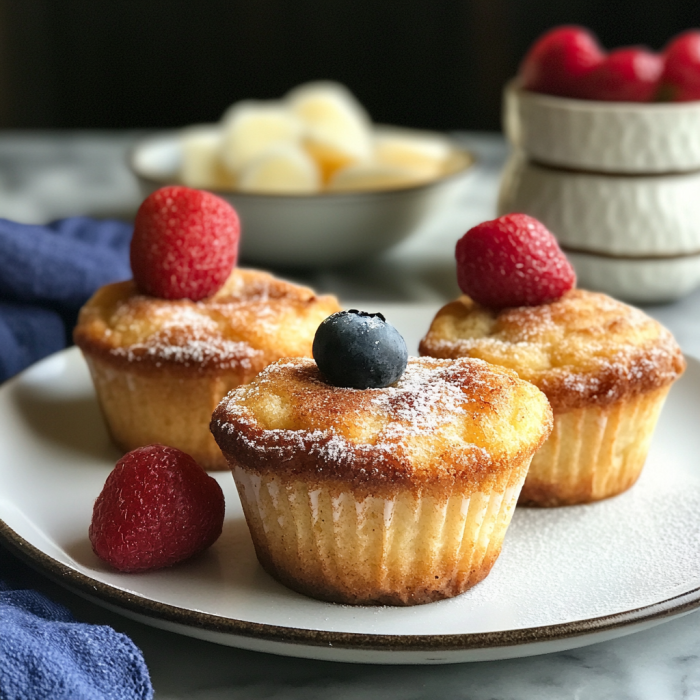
{"x":44,"y":176}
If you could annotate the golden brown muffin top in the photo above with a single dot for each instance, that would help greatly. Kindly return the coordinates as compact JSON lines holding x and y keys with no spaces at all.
{"x":583,"y":349}
{"x":254,"y":319}
{"x":442,"y":421}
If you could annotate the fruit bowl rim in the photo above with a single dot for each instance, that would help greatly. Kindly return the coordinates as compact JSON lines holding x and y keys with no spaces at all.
{"x":513,"y":87}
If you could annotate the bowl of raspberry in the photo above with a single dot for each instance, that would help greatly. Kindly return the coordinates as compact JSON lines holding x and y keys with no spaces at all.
{"x":607,"y":154}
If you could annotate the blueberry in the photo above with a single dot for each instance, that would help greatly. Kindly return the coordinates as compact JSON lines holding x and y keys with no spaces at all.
{"x":359,"y":350}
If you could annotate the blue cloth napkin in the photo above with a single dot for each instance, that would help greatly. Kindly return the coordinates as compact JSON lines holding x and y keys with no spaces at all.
{"x":46,"y":655}
{"x":46,"y":274}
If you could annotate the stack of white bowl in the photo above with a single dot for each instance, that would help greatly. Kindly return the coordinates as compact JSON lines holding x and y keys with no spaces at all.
{"x":618,"y":183}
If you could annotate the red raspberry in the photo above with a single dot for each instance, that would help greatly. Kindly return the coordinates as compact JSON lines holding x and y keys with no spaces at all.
{"x":157,"y":507}
{"x":185,"y":243}
{"x":559,"y":61}
{"x":512,"y":261}
{"x":681,"y":77}
{"x":626,"y":75}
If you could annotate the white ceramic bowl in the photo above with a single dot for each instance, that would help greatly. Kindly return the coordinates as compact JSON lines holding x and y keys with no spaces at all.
{"x":638,"y":280}
{"x":636,"y":237}
{"x":617,"y":137}
{"x":311,"y":230}
{"x":618,"y":183}
{"x":632,"y":215}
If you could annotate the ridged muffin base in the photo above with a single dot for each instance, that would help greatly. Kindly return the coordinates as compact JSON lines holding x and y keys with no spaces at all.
{"x":594,"y":452}
{"x":163,"y":407}
{"x":408,"y":549}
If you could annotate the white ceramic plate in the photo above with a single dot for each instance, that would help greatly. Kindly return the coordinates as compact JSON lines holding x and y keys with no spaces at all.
{"x":566,"y":577}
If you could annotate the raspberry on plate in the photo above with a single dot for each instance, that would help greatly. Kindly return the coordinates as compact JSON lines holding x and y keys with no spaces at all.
{"x":680,"y":81}
{"x":627,"y":75}
{"x":158,"y":507}
{"x":185,"y":243}
{"x":559,"y":61}
{"x":512,"y":261}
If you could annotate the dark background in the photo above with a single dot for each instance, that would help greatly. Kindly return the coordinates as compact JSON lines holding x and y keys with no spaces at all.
{"x":161,"y":63}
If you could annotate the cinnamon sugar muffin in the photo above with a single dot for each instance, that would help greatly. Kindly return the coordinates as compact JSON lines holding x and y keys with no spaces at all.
{"x":161,"y":366}
{"x":397,"y":496}
{"x":604,"y":366}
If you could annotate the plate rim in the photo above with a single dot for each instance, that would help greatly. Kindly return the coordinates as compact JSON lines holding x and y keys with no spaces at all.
{"x":352,"y":641}
{"x":102,"y":592}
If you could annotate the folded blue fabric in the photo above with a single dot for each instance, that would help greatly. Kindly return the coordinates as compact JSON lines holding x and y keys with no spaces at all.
{"x":27,"y":333}
{"x":46,"y":274}
{"x":46,"y":655}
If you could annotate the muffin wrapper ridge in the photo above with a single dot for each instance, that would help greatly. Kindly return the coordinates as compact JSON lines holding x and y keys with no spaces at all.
{"x":594,"y":452}
{"x":412,"y":548}
{"x":162,"y":407}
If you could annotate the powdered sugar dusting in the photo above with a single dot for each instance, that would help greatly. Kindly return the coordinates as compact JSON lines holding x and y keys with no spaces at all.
{"x":629,"y":552}
{"x":200,"y":350}
{"x":188,"y":333}
{"x":432,"y":396}
{"x":426,"y":397}
{"x":246,"y":324}
{"x":586,"y":345}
